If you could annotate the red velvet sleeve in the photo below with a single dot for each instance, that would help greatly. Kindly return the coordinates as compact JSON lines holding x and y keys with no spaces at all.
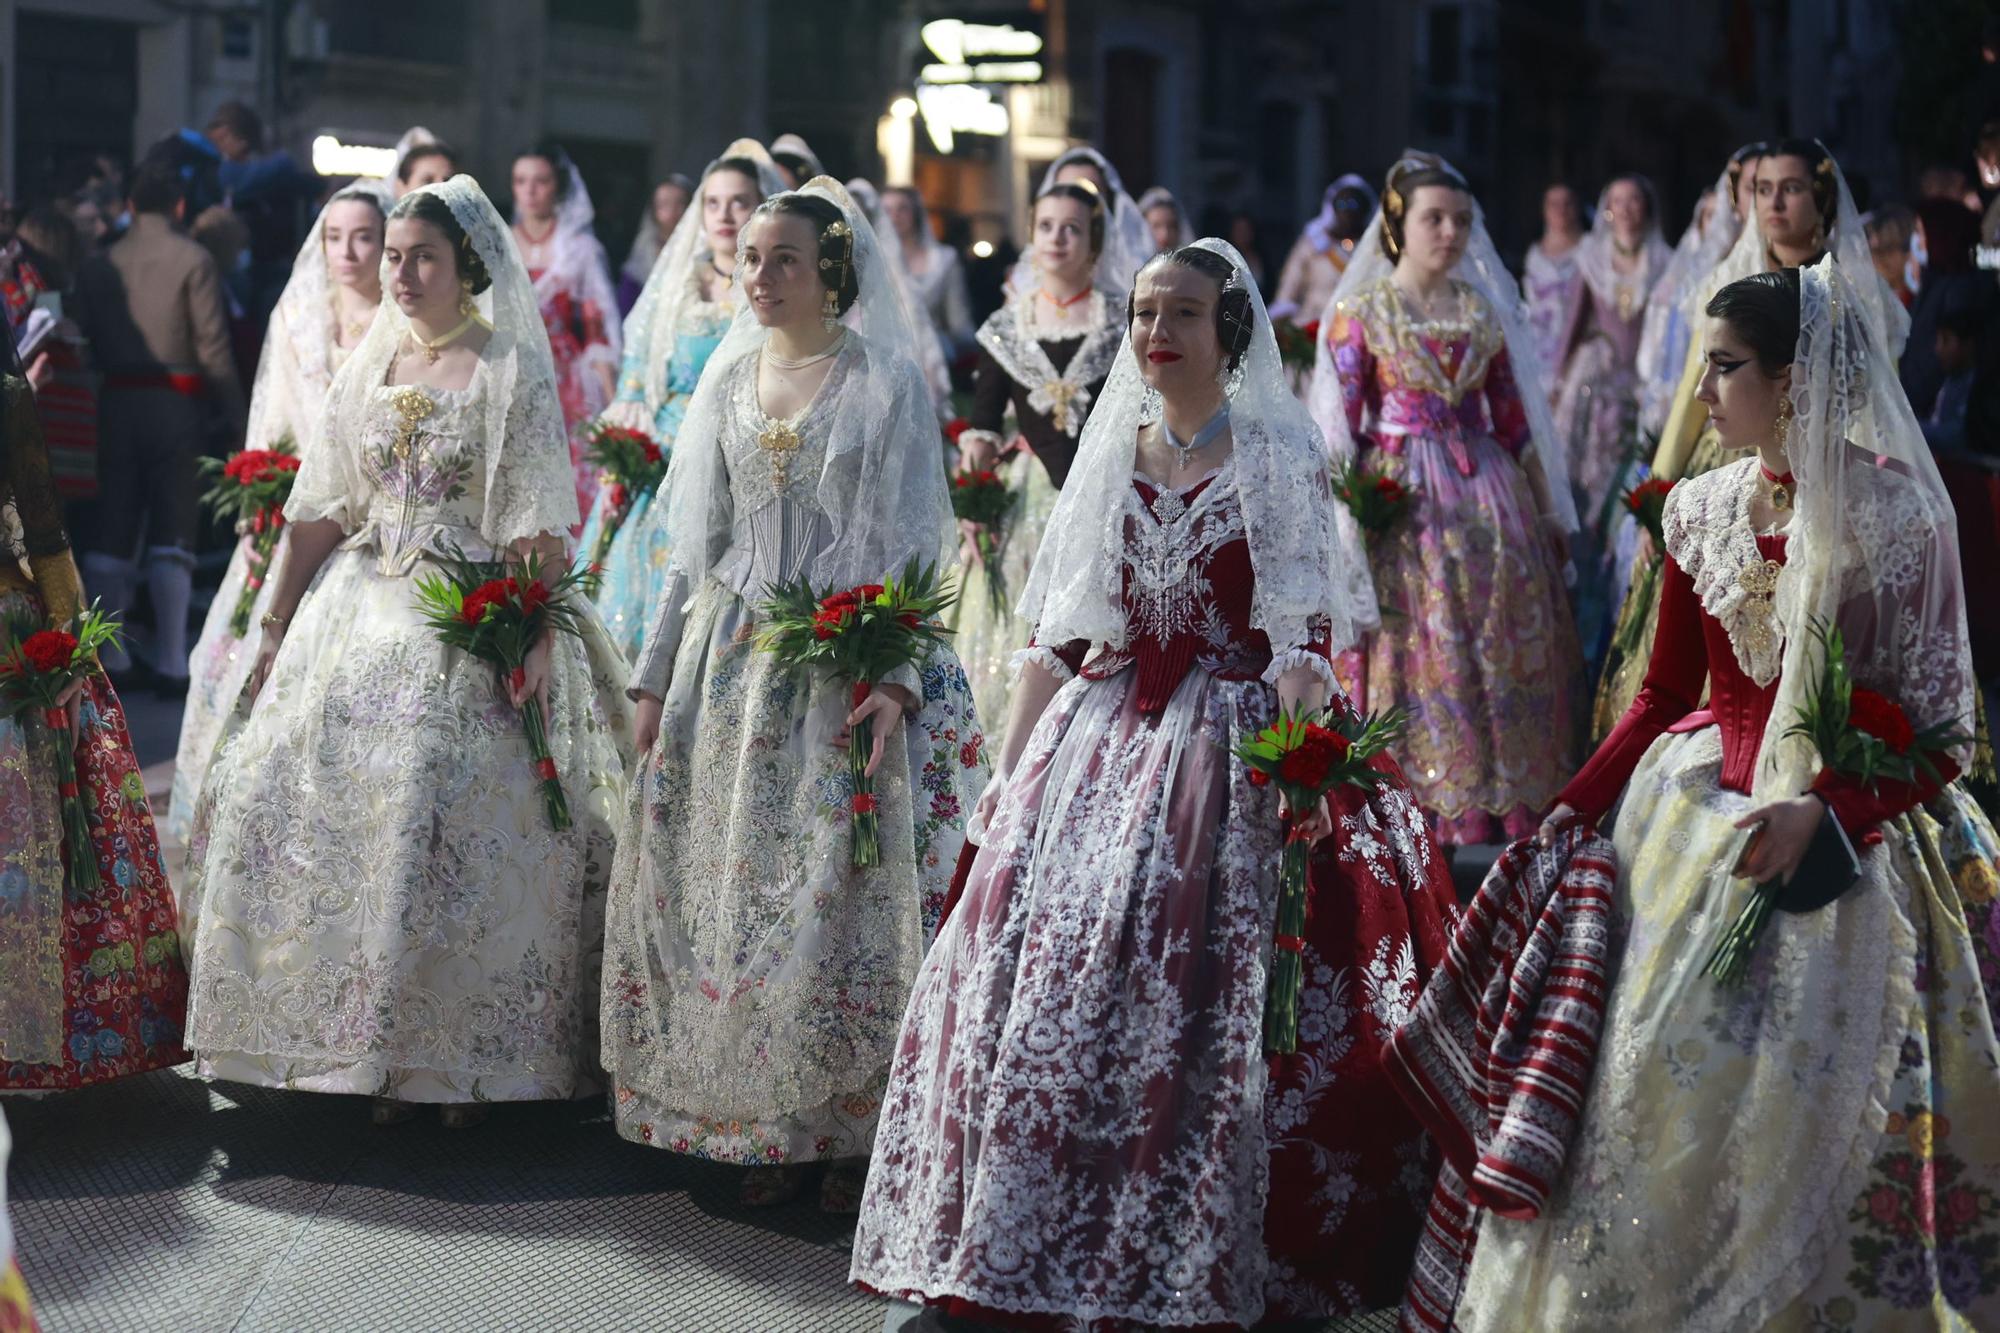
{"x":1860,"y":809}
{"x":1503,"y":402}
{"x":1674,"y":676}
{"x":1071,"y":654}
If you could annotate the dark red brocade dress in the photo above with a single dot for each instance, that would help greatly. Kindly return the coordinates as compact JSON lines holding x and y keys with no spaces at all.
{"x":1081,"y":1120}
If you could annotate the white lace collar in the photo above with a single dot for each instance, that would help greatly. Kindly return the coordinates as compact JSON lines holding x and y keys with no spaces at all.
{"x":1708,"y":533}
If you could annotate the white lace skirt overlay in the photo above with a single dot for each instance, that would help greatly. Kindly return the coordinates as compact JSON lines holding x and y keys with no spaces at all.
{"x":1728,"y":1133}
{"x":1074,"y":1123}
{"x":753,"y":977}
{"x":376,"y":901}
{"x":218,"y":668}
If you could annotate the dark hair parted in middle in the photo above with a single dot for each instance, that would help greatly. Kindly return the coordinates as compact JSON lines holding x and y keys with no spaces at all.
{"x":837,"y":270}
{"x":432,"y":148}
{"x":1762,"y":310}
{"x":1819,"y":169}
{"x":1235,"y":317}
{"x":1405,"y":179}
{"x":1081,"y":192}
{"x":429,"y":206}
{"x":552,"y":153}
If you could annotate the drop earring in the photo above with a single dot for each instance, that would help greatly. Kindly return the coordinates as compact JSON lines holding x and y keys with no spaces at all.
{"x":829,"y":310}
{"x":467,"y":306}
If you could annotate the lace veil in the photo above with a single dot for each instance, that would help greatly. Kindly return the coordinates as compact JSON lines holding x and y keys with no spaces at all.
{"x":1307,"y":564}
{"x":1595,"y":253}
{"x":1127,"y":243}
{"x":882,"y":487}
{"x":673,"y":286}
{"x":1675,"y":304}
{"x":1482,"y":269}
{"x":530,"y":490}
{"x":930,"y":354}
{"x":296,"y":368}
{"x":1161,"y":197}
{"x":1873,"y":542}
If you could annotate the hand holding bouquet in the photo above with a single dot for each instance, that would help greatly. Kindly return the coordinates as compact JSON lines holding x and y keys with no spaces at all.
{"x":1307,"y":756}
{"x":1859,"y":734}
{"x":985,"y":500}
{"x":860,"y":635}
{"x":497,"y":616}
{"x":1377,"y":500}
{"x":632,"y":465}
{"x":37,"y":670}
{"x":251,"y":489}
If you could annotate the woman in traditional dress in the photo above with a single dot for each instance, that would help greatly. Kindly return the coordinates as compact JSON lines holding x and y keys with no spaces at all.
{"x":1045,"y":354}
{"x":1597,"y":399}
{"x":572,"y":277}
{"x":671,"y":333}
{"x":320,"y":319}
{"x":93,"y":987}
{"x":1796,"y":207}
{"x":377,"y":902}
{"x":1082,"y":1122}
{"x":753,"y":975}
{"x":1818,"y":1145}
{"x":1126,"y":244}
{"x":664,"y":210}
{"x":930,"y":353}
{"x":1321,"y":254}
{"x":937,"y":279}
{"x":1166,"y":221}
{"x":1549,"y":277}
{"x":1426,"y":374}
{"x":422,"y":159}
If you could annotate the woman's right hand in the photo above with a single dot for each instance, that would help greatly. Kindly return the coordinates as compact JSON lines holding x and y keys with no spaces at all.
{"x":989,"y":801}
{"x":267,"y":653}
{"x":629,"y":413}
{"x":646,"y":728}
{"x":1562,"y":814}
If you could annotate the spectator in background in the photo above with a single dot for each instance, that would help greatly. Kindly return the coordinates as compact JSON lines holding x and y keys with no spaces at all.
{"x":273,"y":195}
{"x":226,"y":237}
{"x":1947,"y":426}
{"x":1889,"y":229}
{"x":152,"y":307}
{"x":422,"y":159}
{"x":1318,"y":258}
{"x":1166,"y":221}
{"x":663,"y":213}
{"x":1950,"y":281}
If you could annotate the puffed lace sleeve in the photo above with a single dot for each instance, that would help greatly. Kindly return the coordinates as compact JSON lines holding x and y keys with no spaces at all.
{"x":330,"y":483}
{"x":530,"y":488}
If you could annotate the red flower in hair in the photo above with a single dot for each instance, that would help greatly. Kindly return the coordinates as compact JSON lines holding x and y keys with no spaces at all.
{"x":1872,"y":714}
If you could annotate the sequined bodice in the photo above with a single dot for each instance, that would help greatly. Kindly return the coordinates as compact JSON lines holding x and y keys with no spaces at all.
{"x":425,"y":464}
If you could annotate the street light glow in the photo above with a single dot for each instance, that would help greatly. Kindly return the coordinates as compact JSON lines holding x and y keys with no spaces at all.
{"x":331,"y":157}
{"x":982,"y":249}
{"x":903,"y":108}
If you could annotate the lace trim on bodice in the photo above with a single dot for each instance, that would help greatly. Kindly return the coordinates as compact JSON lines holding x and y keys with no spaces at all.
{"x":1062,"y":396}
{"x":1386,"y":316}
{"x":1708,"y":533}
{"x":1168,"y":545}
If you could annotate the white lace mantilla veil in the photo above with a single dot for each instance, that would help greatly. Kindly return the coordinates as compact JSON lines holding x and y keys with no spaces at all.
{"x":1594,"y":253}
{"x":1127,"y":243}
{"x":1306,"y":563}
{"x":1674,"y":305}
{"x":1847,"y":243}
{"x":651,"y":328}
{"x":930,"y":356}
{"x":1873,"y":542}
{"x":294,"y":372}
{"x":577,"y":260}
{"x":1482,"y":269}
{"x":530,"y":491}
{"x":882,"y":487}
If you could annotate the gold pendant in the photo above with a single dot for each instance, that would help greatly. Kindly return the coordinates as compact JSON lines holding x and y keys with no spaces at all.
{"x":1781,"y":497}
{"x":781,"y":441}
{"x":412,"y":405}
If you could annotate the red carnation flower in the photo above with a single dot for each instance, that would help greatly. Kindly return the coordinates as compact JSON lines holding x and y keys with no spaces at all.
{"x":1310,"y":329}
{"x":534,"y":596}
{"x":956,"y":427}
{"x":909,"y":619}
{"x":869,"y":591}
{"x":841,"y":601}
{"x":961,"y":481}
{"x":49,"y":649}
{"x":989,"y":478}
{"x":614,"y":495}
{"x":652,"y":450}
{"x":1873,"y":715}
{"x":1389,"y":488}
{"x":1259,"y":778}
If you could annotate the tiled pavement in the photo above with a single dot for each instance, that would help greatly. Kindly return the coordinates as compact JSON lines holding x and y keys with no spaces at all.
{"x":161,"y":1203}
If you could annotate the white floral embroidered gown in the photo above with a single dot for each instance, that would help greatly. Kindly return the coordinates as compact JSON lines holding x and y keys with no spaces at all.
{"x":753,"y":977}
{"x":1081,"y":1119}
{"x":376,"y":900}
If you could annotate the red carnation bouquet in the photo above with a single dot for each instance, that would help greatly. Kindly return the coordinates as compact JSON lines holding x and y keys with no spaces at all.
{"x":1860,"y":735}
{"x":38,"y":666}
{"x":496,"y":612}
{"x":1647,"y":503}
{"x":631,"y":465}
{"x":1307,"y":756}
{"x":1377,"y":500}
{"x":251,"y":489}
{"x":984,"y":499}
{"x":860,"y":635}
{"x":1298,"y":344}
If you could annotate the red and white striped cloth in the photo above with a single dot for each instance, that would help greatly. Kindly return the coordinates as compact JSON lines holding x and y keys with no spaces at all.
{"x":1497,"y":1054}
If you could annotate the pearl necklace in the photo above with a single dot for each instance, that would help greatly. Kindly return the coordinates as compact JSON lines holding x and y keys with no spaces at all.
{"x":776,"y":362}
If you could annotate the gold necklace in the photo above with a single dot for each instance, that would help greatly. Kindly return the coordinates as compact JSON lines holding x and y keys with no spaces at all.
{"x":351,"y":331}
{"x":434,"y":347}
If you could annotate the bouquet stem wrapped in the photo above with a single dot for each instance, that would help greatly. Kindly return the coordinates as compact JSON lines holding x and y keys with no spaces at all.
{"x":1859,"y":734}
{"x":1307,"y":756}
{"x":252,"y":488}
{"x":483,"y":610}
{"x":984,"y":499}
{"x":859,"y":635}
{"x":37,"y":669}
